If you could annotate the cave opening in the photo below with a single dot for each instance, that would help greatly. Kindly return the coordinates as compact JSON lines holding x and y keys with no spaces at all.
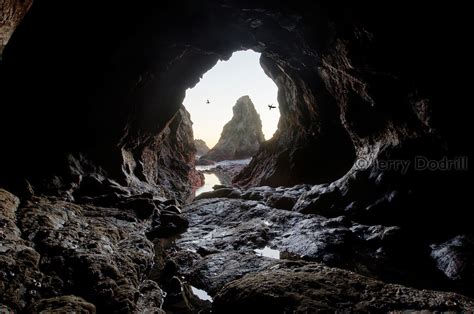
{"x":233,"y":109}
{"x":210,"y":102}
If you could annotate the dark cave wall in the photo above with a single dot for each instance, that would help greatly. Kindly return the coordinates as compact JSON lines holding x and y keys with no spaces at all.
{"x":353,"y":82}
{"x":168,"y":161}
{"x":371,"y":67}
{"x":96,"y":100}
{"x":12,"y":12}
{"x":308,"y":135}
{"x":120,"y":97}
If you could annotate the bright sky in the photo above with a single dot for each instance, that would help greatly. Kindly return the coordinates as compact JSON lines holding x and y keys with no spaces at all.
{"x":223,"y":85}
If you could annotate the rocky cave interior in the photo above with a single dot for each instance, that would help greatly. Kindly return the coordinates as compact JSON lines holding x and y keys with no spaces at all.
{"x":97,"y":165}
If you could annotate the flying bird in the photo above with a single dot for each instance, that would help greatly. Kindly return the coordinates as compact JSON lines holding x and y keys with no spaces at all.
{"x":271,"y":107}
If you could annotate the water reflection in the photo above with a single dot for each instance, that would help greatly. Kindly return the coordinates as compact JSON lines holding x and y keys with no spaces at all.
{"x":210,"y":180}
{"x":201,"y":294}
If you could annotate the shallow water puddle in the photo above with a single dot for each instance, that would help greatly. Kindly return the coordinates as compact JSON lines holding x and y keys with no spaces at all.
{"x":268,"y":252}
{"x":201,"y":294}
{"x":210,"y":180}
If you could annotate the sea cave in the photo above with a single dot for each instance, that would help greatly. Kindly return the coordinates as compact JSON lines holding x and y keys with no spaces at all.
{"x":359,"y":201}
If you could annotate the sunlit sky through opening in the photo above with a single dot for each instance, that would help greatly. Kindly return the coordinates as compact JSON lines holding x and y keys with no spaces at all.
{"x":222,"y":86}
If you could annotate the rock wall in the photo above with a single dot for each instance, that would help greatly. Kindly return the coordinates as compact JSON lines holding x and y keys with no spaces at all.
{"x":201,"y":147}
{"x":242,"y":136}
{"x":168,"y":162}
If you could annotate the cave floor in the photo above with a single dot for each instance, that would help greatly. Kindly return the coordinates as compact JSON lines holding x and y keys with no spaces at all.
{"x":227,"y":251}
{"x":247,"y":255}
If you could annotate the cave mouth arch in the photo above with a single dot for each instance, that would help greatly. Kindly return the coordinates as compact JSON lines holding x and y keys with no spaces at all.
{"x":125,"y":92}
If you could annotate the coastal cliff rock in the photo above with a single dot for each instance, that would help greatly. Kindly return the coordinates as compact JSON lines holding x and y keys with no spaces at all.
{"x":58,"y":256}
{"x":168,"y":161}
{"x":201,"y":147}
{"x":241,"y":136}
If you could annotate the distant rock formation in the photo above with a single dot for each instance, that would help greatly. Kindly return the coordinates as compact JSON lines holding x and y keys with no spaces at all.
{"x":241,"y":136}
{"x":201,"y":147}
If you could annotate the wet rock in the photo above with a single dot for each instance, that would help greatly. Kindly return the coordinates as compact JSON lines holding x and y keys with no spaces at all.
{"x":96,"y":185}
{"x":220,"y":186}
{"x":258,"y":194}
{"x":63,"y":304}
{"x":241,"y":136}
{"x":143,"y":207}
{"x":455,"y":258}
{"x":106,"y":200}
{"x":205,"y":251}
{"x":20,"y":275}
{"x":194,"y":299}
{"x":204,"y":162}
{"x":173,"y":208}
{"x":166,"y":160}
{"x":175,"y":219}
{"x":216,"y":270}
{"x":151,"y":298}
{"x":220,"y":193}
{"x":174,"y":301}
{"x":318,"y":288}
{"x":321,"y":200}
{"x":171,"y":202}
{"x":91,"y":251}
{"x":167,"y":223}
{"x":281,"y":202}
{"x":184,"y":260}
{"x":252,"y":196}
{"x":236,"y":226}
{"x":286,"y":194}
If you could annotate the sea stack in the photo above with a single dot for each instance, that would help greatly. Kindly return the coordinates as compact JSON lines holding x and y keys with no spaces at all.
{"x":241,"y":136}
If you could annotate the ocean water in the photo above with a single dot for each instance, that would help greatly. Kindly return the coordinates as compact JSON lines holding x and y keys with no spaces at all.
{"x":211,"y":179}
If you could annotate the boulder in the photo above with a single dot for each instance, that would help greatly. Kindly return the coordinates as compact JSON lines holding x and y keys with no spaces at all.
{"x":455,"y":258}
{"x":220,"y":193}
{"x":318,"y":288}
{"x":281,"y":202}
{"x":167,"y":223}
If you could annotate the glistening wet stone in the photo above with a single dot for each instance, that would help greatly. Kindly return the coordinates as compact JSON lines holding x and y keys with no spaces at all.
{"x":234,"y":237}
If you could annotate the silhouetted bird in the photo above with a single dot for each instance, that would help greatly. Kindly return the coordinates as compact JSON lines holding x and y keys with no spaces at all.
{"x":208,"y":102}
{"x":271,"y":107}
